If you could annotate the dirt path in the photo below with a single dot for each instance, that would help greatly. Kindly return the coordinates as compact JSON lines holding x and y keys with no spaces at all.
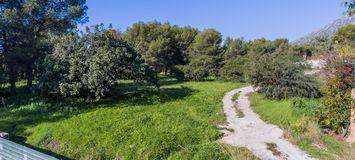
{"x":253,"y":133}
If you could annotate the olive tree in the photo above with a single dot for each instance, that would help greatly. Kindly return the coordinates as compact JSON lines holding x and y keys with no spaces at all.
{"x":89,"y":65}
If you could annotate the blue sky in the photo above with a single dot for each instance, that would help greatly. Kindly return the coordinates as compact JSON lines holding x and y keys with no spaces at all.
{"x":236,"y":18}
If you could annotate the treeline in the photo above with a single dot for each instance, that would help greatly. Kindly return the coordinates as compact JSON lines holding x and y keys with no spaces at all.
{"x":39,"y":42}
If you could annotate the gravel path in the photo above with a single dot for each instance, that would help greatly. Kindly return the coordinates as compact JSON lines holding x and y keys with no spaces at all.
{"x":253,"y":133}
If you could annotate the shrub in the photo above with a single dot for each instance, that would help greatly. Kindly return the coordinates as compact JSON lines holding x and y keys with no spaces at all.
{"x":336,"y":105}
{"x":233,"y":70}
{"x":337,"y":99}
{"x":277,"y":77}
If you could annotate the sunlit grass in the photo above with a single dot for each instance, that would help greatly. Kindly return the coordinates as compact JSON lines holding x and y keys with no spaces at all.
{"x":134,"y":122}
{"x":301,"y":130}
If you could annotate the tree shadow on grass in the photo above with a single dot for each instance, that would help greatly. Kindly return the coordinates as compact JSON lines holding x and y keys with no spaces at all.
{"x":15,"y":121}
{"x":143,"y":95}
{"x":23,"y":111}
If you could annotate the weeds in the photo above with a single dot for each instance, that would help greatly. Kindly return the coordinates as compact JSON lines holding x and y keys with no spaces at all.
{"x":273,"y":148}
{"x":239,"y":112}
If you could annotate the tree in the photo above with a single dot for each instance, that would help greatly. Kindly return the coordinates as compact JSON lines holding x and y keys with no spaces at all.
{"x":89,"y":65}
{"x":28,"y":25}
{"x":199,"y":68}
{"x":163,"y":46}
{"x":234,"y":60}
{"x":263,"y":46}
{"x":277,"y":77}
{"x":337,"y":99}
{"x":205,"y":55}
{"x":233,"y":70}
{"x":3,"y":75}
{"x":345,"y":35}
{"x":350,"y":5}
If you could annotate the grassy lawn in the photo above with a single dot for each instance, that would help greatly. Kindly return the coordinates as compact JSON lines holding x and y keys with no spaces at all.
{"x":300,"y":128}
{"x":135,"y":122}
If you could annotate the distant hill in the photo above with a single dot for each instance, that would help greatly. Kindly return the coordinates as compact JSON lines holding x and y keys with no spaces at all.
{"x":327,"y":31}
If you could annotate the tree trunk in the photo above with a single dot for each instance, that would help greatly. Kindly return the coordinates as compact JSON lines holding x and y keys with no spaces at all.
{"x":11,"y":64}
{"x":29,"y":74}
{"x":166,"y":70}
{"x":13,"y":79}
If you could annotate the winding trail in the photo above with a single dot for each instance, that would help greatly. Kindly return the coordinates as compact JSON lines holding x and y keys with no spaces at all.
{"x":253,"y":133}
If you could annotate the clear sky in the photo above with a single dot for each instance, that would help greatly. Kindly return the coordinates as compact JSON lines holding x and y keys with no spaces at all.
{"x":236,"y":18}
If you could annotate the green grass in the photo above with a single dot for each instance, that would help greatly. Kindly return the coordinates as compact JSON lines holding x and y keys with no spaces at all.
{"x":239,"y":112}
{"x":302,"y":130}
{"x":235,"y":97}
{"x":273,"y":148}
{"x":213,"y":151}
{"x":135,"y":122}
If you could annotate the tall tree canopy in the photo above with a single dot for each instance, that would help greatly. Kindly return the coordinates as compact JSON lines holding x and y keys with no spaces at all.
{"x":234,"y":60}
{"x":26,"y":27}
{"x":161,"y":45}
{"x":205,"y":55}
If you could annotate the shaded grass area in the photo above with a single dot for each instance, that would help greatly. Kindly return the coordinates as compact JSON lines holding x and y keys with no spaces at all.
{"x":301,"y":128}
{"x":134,"y":122}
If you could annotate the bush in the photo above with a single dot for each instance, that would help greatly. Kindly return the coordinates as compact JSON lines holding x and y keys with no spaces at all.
{"x":233,"y":70}
{"x":277,"y":77}
{"x":336,"y":105}
{"x":337,"y":99}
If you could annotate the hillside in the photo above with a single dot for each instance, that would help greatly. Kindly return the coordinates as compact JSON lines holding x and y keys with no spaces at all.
{"x":327,"y":31}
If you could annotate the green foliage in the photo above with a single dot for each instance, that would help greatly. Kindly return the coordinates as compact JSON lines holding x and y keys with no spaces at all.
{"x":134,"y":122}
{"x":350,"y":5}
{"x":234,"y":47}
{"x":306,"y":107}
{"x":277,"y":77}
{"x":273,"y":148}
{"x":337,"y":103}
{"x":234,"y":60}
{"x":345,"y":35}
{"x":204,"y":56}
{"x":199,"y":68}
{"x":263,"y":46}
{"x":298,"y":127}
{"x":233,"y":70}
{"x":161,"y":45}
{"x":3,"y":75}
{"x":88,"y":66}
{"x":27,"y":27}
{"x":178,"y":73}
